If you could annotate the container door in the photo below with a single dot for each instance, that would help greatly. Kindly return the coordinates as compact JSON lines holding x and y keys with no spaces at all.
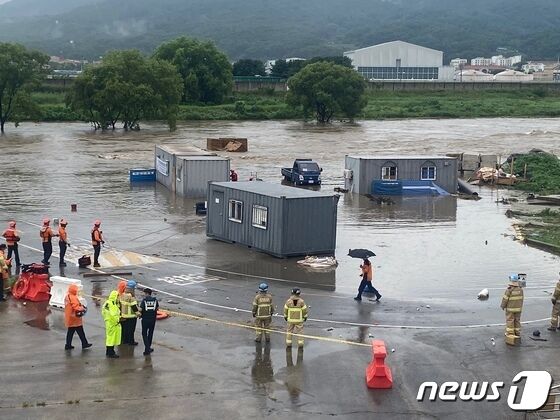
{"x":218,"y":213}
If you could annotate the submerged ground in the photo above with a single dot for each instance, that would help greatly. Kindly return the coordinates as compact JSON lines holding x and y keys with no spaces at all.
{"x":433,"y":256}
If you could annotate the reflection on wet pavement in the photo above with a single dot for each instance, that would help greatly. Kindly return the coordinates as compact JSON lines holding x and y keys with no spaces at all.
{"x":294,"y":374}
{"x":262,"y":371}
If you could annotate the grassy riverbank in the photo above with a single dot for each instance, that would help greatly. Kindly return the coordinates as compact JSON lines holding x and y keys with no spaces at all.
{"x":381,"y":105}
{"x":541,"y":229}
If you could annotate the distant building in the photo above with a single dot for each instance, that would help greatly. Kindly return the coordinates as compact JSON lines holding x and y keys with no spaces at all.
{"x":397,"y":60}
{"x":497,"y":60}
{"x":531,"y":67}
{"x":458,"y":63}
{"x":481,"y":61}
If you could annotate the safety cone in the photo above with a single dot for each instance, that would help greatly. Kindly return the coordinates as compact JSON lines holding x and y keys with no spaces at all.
{"x":378,"y":375}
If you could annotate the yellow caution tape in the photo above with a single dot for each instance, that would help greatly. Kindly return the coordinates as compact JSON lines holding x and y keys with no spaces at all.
{"x":254,"y":328}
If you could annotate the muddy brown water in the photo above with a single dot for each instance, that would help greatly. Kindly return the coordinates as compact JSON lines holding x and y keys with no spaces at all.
{"x":426,"y":246}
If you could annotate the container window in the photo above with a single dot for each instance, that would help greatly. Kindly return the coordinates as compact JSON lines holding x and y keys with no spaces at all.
{"x":260,"y":217}
{"x":236,"y":211}
{"x":428,"y":173}
{"x":389,"y":173}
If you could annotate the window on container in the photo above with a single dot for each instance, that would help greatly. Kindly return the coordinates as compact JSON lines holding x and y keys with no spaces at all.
{"x":260,"y":217}
{"x":389,"y":172}
{"x":236,"y":211}
{"x":428,"y":173}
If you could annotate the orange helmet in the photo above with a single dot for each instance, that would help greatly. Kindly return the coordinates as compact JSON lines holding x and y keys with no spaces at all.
{"x":46,"y":221}
{"x":12,"y":224}
{"x":97,"y":223}
{"x":63,"y":222}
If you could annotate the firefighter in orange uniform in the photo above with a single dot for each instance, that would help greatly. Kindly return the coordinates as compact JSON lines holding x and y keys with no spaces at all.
{"x":96,"y":241}
{"x":46,"y":234}
{"x":62,"y":241}
{"x":12,"y":238}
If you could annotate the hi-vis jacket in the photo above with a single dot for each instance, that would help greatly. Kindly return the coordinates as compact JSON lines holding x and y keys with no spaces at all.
{"x":295,"y":310}
{"x":112,"y":315}
{"x":512,"y":300}
{"x":129,"y":305}
{"x":262,"y":306}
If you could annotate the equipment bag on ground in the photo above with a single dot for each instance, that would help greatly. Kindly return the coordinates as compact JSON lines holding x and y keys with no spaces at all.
{"x":84,"y":261}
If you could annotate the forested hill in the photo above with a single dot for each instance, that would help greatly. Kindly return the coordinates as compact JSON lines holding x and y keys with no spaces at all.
{"x":287,"y":28}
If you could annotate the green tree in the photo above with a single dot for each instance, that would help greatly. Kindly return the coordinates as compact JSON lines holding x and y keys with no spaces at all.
{"x":248,"y":67}
{"x":206,"y":72}
{"x":326,"y":89}
{"x":340,"y":60}
{"x":285,"y":69}
{"x":20,"y":71}
{"x":127,"y":87}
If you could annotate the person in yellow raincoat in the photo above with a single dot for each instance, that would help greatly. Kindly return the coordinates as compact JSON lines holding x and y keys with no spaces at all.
{"x":111,"y":312}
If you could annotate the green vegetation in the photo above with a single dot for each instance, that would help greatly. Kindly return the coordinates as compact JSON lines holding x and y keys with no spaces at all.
{"x":206,"y":71}
{"x":543,"y":172}
{"x":543,"y":227}
{"x":325,"y":90}
{"x":381,"y":104}
{"x":20,"y":71}
{"x":248,"y":67}
{"x":127,"y":87}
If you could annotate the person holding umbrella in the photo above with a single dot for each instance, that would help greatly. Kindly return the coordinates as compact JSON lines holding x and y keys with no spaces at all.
{"x":365,"y":284}
{"x":367,"y":272}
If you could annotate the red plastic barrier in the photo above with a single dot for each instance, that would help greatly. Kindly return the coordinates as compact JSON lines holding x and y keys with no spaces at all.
{"x":33,"y":287}
{"x":378,"y":375}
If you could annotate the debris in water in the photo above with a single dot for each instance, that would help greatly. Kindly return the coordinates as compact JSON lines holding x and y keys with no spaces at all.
{"x":392,"y":350}
{"x":236,"y":310}
{"x":370,"y":335}
{"x":172,"y":302}
{"x":483,"y":294}
{"x":428,"y":306}
{"x":417,"y":309}
{"x":330,"y":329}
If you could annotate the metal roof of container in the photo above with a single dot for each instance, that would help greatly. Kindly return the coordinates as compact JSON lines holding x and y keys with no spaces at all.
{"x":401,"y":157}
{"x":201,"y":157}
{"x":273,"y":190}
{"x":184,"y":150}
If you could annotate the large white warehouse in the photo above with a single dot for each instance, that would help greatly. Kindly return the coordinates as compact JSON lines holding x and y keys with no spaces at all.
{"x":398,"y":60}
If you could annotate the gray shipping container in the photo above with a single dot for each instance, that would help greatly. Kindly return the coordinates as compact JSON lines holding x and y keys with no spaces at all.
{"x":279,"y":220}
{"x":187,"y":170}
{"x":360,"y":172}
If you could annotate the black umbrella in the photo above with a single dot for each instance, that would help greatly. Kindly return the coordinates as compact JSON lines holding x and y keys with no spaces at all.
{"x":361,"y":253}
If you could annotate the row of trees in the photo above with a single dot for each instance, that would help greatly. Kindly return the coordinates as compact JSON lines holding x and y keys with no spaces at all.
{"x":282,"y":68}
{"x":129,"y":87}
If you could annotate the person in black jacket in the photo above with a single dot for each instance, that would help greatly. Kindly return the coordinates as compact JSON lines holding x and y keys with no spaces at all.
{"x":148,"y":308}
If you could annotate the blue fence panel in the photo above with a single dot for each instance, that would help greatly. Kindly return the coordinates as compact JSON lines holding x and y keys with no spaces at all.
{"x":142,"y":175}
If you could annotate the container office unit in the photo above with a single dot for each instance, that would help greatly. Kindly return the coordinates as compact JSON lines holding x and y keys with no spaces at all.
{"x":276,"y":219}
{"x":392,"y":175}
{"x":187,"y":170}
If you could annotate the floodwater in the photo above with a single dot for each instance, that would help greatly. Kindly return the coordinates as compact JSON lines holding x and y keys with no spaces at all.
{"x":425,"y":246}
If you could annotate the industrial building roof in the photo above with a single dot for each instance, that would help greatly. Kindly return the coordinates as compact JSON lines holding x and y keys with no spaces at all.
{"x":273,"y":190}
{"x":401,"y":157}
{"x":392,"y":43}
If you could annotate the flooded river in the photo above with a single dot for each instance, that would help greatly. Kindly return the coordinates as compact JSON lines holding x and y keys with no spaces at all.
{"x":436,"y":247}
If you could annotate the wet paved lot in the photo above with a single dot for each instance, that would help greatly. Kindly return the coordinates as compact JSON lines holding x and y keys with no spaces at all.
{"x":438,"y":252}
